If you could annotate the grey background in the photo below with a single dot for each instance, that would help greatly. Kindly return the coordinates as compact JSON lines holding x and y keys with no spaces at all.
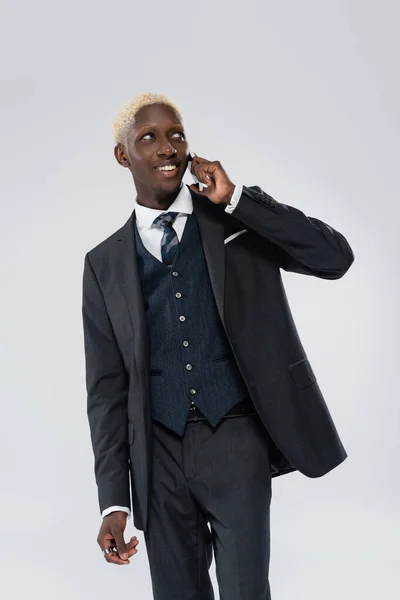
{"x":300,"y":98}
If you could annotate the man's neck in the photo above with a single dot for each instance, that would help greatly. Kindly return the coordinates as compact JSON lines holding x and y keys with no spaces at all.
{"x":160,"y":201}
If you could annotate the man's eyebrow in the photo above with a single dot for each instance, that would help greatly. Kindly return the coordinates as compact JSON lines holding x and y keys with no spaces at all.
{"x":154,"y":126}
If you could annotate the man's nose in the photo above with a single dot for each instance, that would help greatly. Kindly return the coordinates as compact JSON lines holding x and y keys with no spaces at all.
{"x":167,"y":149}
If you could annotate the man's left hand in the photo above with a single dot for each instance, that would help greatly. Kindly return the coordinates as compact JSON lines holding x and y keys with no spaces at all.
{"x":219,"y":187}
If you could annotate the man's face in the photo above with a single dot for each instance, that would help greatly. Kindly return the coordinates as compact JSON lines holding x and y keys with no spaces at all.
{"x":157,"y":138}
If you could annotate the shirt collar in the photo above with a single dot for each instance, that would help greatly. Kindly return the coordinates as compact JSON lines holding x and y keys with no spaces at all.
{"x":182,"y":204}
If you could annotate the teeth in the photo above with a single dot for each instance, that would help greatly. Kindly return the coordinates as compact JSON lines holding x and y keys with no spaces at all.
{"x":167,"y":168}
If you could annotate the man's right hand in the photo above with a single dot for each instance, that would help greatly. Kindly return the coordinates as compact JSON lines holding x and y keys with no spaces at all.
{"x":111,"y":535}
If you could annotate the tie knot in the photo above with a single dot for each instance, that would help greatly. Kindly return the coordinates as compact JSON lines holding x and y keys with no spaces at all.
{"x":165,"y":219}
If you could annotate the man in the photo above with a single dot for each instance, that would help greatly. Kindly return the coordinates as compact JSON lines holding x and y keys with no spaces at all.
{"x":199,"y":389}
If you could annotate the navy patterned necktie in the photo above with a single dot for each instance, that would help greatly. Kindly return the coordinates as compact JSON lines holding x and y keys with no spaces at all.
{"x":170,"y":241}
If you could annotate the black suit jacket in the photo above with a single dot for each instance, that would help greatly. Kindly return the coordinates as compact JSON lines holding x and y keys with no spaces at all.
{"x":247,"y":285}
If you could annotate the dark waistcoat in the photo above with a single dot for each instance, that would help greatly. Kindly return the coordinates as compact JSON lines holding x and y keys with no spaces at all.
{"x":191,"y":358}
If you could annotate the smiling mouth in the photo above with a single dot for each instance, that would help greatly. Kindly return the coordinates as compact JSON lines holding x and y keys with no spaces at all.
{"x":168,"y":171}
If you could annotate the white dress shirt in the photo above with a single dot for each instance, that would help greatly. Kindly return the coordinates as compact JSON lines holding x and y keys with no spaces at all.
{"x":151,"y":236}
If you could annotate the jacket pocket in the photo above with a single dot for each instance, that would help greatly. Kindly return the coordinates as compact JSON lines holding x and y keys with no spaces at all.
{"x":234,"y":235}
{"x":302,"y":373}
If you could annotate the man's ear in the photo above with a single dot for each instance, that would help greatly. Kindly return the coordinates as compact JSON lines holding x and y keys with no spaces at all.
{"x":120,"y":155}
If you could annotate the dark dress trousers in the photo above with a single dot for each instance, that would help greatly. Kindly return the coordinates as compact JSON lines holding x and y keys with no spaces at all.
{"x":136,"y":444}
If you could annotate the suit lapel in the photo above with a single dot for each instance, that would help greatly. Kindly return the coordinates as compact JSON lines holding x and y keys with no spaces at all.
{"x":129,"y":281}
{"x":211,"y":226}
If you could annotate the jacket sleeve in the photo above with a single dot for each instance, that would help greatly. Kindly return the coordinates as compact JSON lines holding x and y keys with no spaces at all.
{"x":107,"y":385}
{"x":302,"y":244}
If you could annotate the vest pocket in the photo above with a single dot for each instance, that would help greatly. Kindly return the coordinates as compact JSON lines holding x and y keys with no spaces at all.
{"x":155,"y":371}
{"x":222,"y":356}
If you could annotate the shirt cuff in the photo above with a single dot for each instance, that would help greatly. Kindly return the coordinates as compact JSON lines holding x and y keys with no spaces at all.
{"x":111,"y":509}
{"x":235,"y":199}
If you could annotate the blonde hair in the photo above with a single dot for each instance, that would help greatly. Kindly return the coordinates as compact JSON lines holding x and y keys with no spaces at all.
{"x":126,"y":115}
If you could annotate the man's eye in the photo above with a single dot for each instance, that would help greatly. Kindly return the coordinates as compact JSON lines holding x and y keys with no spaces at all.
{"x":175,"y":132}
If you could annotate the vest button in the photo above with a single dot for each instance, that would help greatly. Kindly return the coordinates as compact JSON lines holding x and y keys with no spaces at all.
{"x":185,"y":343}
{"x":182,"y":318}
{"x":175,"y":273}
{"x":178,"y":295}
{"x":189,"y":367}
{"x":192,"y":392}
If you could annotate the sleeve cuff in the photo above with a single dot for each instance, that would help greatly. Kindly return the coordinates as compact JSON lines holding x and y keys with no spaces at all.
{"x":111,"y":509}
{"x":235,"y":199}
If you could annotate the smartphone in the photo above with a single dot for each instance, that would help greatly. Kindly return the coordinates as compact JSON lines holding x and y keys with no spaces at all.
{"x":201,"y":185}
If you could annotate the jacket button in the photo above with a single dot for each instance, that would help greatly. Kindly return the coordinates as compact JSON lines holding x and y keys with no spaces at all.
{"x":182,"y":318}
{"x":178,"y":295}
{"x":185,"y":343}
{"x":192,"y":393}
{"x":175,"y":273}
{"x":189,"y":367}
